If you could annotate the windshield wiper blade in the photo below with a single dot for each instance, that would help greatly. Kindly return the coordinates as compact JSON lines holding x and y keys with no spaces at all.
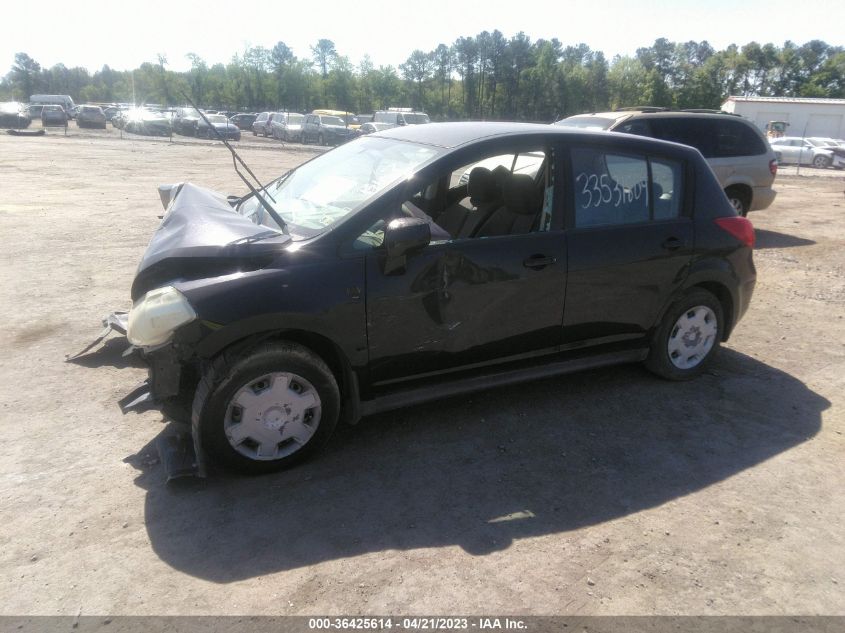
{"x":277,"y":182}
{"x":237,"y":159}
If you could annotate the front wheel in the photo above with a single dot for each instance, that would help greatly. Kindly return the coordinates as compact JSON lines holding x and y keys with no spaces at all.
{"x":267,"y":410}
{"x":822,"y":162}
{"x":687,"y":337}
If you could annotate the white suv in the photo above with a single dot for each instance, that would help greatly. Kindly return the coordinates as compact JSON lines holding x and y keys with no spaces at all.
{"x":736,"y":150}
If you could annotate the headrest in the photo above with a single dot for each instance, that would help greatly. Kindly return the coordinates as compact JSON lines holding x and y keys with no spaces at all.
{"x":521,"y":194}
{"x":500,"y":176}
{"x":481,"y":185}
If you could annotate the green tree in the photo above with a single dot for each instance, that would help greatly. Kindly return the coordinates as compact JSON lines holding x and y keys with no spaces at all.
{"x":417,"y":70}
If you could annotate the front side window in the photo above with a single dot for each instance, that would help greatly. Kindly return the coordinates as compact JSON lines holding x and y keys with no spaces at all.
{"x":614,"y":189}
{"x":491,"y":196}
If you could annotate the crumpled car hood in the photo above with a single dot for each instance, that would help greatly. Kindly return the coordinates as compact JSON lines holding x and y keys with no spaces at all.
{"x":201,"y":236}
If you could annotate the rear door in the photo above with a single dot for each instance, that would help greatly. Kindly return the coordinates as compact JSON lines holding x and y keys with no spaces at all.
{"x":629,"y":243}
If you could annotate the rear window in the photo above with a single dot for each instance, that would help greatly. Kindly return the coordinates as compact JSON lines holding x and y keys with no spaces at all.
{"x":714,"y":138}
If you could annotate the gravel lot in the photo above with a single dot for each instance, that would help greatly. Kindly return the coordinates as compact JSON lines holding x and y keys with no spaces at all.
{"x":605,"y":492}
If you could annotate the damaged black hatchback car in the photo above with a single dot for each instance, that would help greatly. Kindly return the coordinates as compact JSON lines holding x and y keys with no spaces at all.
{"x":426,"y":261}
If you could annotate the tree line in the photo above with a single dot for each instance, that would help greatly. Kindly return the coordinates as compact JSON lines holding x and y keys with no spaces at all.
{"x":488,"y":76}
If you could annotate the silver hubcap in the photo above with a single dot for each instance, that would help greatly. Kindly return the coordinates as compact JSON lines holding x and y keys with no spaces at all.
{"x":737,"y":204}
{"x":272,"y":416}
{"x":692,"y":337}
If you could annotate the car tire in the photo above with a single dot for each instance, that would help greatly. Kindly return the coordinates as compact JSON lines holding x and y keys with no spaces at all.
{"x":241,"y":403}
{"x":688,"y":336}
{"x":821,"y":162}
{"x":739,"y":200}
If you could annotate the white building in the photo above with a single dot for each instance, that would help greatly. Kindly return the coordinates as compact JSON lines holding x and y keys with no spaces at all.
{"x":806,"y":117}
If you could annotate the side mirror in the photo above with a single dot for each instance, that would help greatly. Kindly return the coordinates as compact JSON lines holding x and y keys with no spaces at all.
{"x":404,"y":237}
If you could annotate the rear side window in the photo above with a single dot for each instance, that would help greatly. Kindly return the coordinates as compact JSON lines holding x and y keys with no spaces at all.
{"x":735,"y":138}
{"x":612,"y":189}
{"x":714,"y":138}
{"x":637,"y":126}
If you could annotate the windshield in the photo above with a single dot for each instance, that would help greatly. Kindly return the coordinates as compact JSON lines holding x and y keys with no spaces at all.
{"x":329,"y":188}
{"x":587,"y":122}
{"x":295,"y":119}
{"x":331,"y":120}
{"x":216,"y":118}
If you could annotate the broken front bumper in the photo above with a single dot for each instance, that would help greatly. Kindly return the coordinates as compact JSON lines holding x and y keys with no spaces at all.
{"x":179,"y":451}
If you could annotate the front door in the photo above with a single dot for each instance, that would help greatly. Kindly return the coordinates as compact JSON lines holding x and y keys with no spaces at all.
{"x":488,"y":290}
{"x":466,"y":302}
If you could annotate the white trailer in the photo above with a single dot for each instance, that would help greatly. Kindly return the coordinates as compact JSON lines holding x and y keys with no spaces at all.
{"x":806,"y":116}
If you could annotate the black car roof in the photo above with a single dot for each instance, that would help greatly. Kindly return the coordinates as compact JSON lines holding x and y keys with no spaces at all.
{"x":449,"y":135}
{"x":454,"y":135}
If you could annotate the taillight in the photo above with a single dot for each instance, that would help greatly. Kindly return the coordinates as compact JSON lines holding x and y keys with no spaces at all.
{"x":773,"y":167}
{"x":741,"y":228}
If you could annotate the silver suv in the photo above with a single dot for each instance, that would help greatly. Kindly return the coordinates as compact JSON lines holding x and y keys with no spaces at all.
{"x":736,"y":150}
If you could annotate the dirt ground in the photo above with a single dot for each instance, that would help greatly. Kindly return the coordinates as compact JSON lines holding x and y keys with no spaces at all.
{"x":605,"y":492}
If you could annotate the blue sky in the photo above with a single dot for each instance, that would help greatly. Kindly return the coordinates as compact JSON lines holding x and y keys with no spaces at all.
{"x":124,"y":34}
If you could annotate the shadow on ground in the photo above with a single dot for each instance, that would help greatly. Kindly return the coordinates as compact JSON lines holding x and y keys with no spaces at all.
{"x":480,"y":472}
{"x":773,"y":239}
{"x":109,"y":354}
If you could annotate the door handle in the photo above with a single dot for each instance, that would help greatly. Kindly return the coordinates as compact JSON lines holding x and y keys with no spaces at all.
{"x":536,"y":262}
{"x":671,"y":244}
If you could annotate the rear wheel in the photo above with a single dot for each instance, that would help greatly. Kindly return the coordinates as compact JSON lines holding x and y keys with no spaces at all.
{"x":739,"y":199}
{"x":687,"y":337}
{"x":267,"y":410}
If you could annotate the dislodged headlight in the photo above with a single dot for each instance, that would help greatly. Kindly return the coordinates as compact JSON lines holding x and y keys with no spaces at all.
{"x":154,"y":317}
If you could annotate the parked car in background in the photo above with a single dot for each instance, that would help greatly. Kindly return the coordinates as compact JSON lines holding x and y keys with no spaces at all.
{"x":835,"y":146}
{"x":401,"y":116}
{"x":369,"y":128}
{"x":34,"y":110}
{"x":259,"y":126}
{"x":735,"y":149}
{"x":53,"y":115}
{"x":224,"y":127}
{"x":185,"y":121}
{"x":243,"y":120}
{"x":349,"y":118}
{"x":287,"y":126}
{"x":91,"y":116}
{"x":148,"y":122}
{"x":61,"y":100}
{"x":267,"y":130}
{"x":110,"y":111}
{"x":325,"y":130}
{"x":14,"y":114}
{"x":364,"y":118}
{"x":801,"y":151}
